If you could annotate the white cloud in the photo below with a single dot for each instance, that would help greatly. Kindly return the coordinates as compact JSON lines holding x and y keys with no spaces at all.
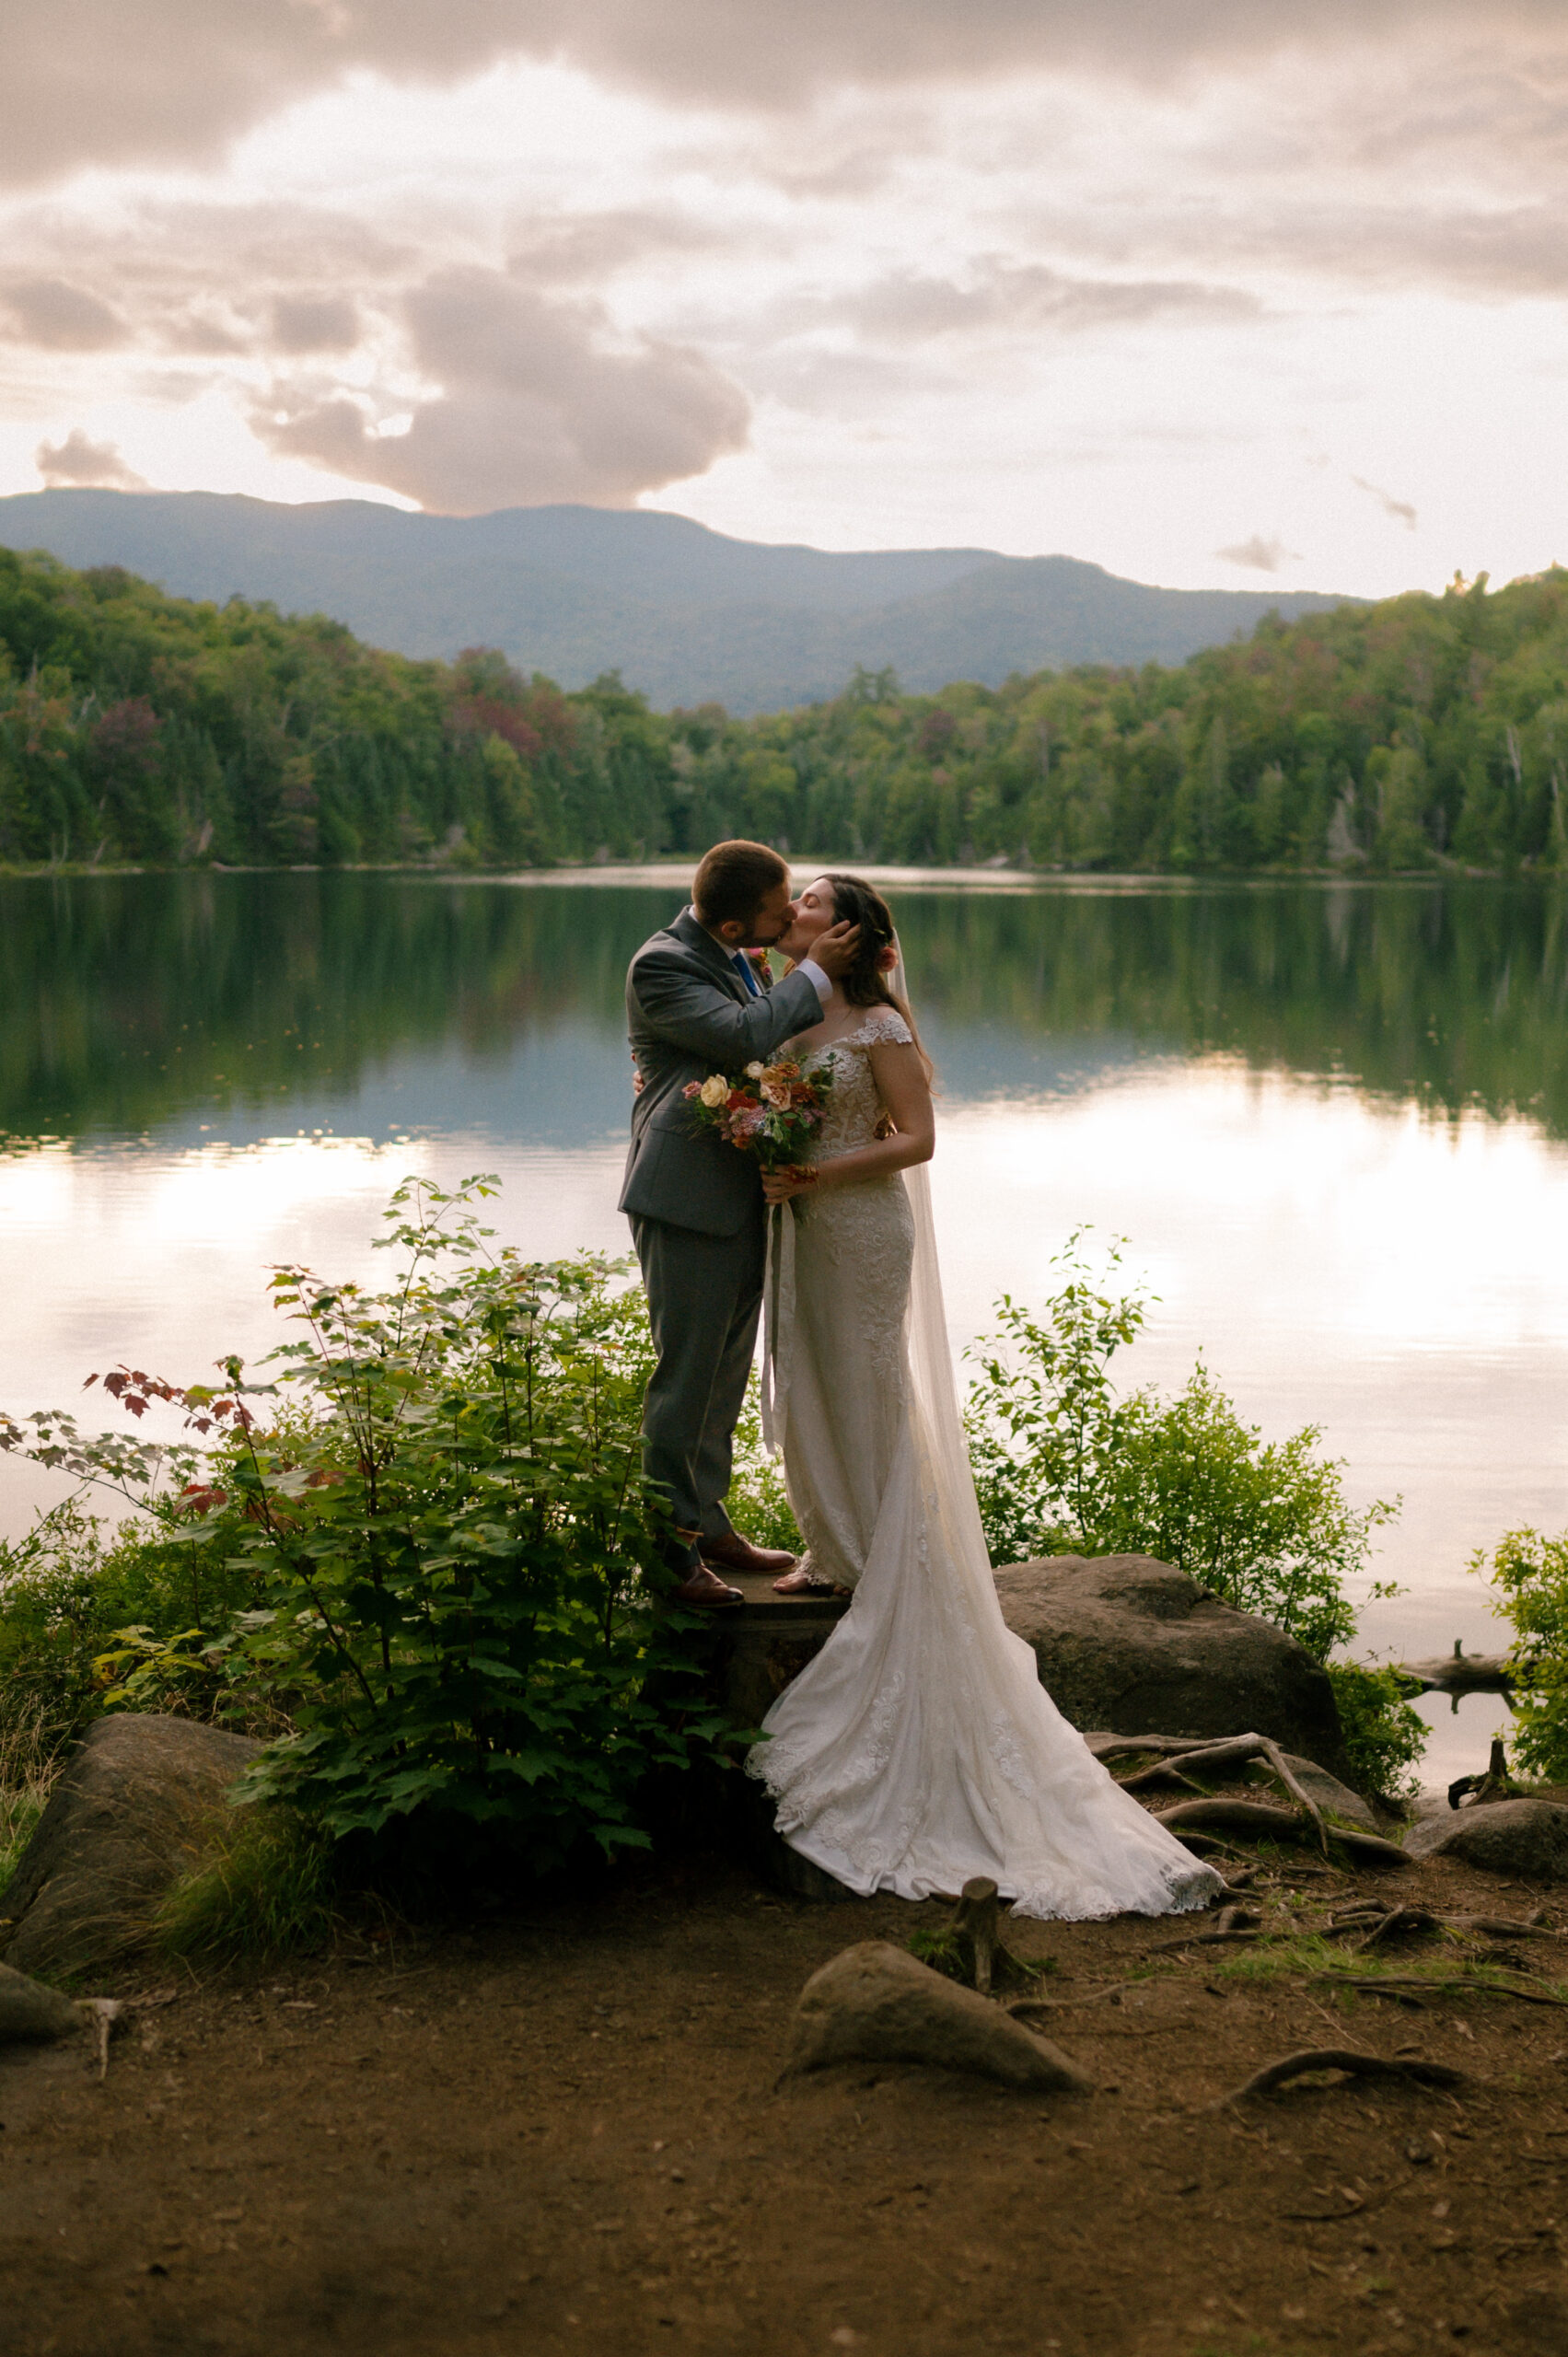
{"x":1400,"y":510}
{"x":133,"y":83}
{"x":302,"y":323}
{"x":1099,"y":275}
{"x":57,"y":317}
{"x":1258,"y":555}
{"x":536,"y":404}
{"x":77,"y":461}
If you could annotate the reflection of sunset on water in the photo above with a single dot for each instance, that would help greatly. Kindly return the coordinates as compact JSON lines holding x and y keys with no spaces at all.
{"x":1363,"y":1256}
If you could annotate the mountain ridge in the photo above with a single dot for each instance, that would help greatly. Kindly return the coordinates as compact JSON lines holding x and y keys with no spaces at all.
{"x":687,"y":615}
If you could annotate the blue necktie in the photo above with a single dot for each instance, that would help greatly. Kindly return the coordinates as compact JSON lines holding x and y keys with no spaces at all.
{"x":742,"y":965}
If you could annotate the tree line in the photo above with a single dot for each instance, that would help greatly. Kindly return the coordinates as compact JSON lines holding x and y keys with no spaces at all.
{"x":1420,"y":733}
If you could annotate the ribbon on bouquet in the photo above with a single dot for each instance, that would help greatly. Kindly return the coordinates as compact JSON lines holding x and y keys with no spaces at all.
{"x":778,"y":1325}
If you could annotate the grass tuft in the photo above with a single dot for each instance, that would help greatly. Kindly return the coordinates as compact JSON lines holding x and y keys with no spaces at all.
{"x":1451,"y":1966}
{"x":267,"y":1892}
{"x":30,"y":1762}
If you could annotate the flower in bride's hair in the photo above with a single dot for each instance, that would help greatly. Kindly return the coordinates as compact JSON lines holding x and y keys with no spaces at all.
{"x":715,"y":1090}
{"x":755,"y":1072}
{"x":886,"y":960}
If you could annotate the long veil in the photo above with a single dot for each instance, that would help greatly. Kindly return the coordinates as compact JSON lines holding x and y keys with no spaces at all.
{"x":918,"y":1747}
{"x":935,"y":1394}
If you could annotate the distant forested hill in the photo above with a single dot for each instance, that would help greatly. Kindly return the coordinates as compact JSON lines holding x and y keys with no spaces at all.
{"x":685,"y":615}
{"x":1420,"y":732}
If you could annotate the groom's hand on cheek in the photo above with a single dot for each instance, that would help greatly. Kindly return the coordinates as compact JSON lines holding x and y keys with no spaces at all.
{"x":834,"y":950}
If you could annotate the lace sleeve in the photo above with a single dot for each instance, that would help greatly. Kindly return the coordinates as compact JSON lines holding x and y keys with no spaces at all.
{"x":883,"y":1027}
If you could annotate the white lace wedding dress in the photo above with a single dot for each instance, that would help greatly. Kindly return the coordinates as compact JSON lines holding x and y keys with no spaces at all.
{"x":918,"y":1748}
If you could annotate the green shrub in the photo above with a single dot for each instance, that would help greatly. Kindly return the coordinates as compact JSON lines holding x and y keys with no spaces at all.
{"x":1529,"y":1572}
{"x":1041,"y":1416}
{"x":442,"y":1557}
{"x":1064,"y":1464}
{"x":1384,"y":1736}
{"x":1265,"y":1524}
{"x":69,"y":1594}
{"x":28,"y":1761}
{"x":758,"y":1503}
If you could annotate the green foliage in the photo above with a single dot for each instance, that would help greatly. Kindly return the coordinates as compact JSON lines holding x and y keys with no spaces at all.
{"x":266,"y":1890}
{"x":73,"y":1600}
{"x":28,"y":1760}
{"x":1266,"y":1525}
{"x":1529,"y":1572}
{"x":1041,"y":1416}
{"x":453,"y":1555}
{"x":441,"y":1559}
{"x":1411,"y":735}
{"x":1065,"y":1465}
{"x":758,"y":1503}
{"x":1384,"y":1736}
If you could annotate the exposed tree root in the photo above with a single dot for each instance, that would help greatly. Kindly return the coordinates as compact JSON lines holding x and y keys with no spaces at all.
{"x":1351,"y":2061}
{"x":1217,"y":1759}
{"x":1368,"y":1925}
{"x":1262,"y":1820}
{"x":1406,"y":1987}
{"x":1496,"y":1784}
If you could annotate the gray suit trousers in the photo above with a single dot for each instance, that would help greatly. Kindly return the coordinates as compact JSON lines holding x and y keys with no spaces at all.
{"x":705,"y":1297}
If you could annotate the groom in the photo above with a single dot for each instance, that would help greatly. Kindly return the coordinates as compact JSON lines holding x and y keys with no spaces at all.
{"x":695,"y":1004}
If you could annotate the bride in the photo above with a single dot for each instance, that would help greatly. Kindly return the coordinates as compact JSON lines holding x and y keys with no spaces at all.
{"x":918,"y":1747}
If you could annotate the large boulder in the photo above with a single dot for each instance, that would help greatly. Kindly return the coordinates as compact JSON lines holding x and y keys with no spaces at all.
{"x":1130,"y":1645}
{"x":1527,"y":1840}
{"x":876,"y":2004}
{"x":131,"y":1812}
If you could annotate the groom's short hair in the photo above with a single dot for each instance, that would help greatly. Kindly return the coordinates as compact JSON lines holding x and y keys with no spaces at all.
{"x":733,"y":881}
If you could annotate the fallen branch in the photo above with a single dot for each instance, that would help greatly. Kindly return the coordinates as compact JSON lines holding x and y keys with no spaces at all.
{"x":1351,"y":2061}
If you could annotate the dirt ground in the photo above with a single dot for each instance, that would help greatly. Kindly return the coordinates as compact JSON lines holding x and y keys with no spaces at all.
{"x":560,"y":2133}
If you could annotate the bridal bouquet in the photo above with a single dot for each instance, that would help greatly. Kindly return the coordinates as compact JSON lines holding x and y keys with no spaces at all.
{"x":771,"y":1111}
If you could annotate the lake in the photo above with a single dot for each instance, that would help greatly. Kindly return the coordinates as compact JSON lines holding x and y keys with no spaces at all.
{"x":1332,"y":1121}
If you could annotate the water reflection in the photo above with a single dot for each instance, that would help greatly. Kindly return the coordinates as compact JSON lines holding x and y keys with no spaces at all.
{"x":132,"y":1001}
{"x":1330,"y":1122}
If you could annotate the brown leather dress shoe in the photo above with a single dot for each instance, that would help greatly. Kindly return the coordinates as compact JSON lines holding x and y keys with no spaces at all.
{"x":700,"y":1586}
{"x":738,"y":1554}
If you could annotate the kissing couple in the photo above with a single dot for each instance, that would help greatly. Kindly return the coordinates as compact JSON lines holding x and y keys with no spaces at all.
{"x":918,"y":1748}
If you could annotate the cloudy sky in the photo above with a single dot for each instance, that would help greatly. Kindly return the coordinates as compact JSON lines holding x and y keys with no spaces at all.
{"x":1212,"y":292}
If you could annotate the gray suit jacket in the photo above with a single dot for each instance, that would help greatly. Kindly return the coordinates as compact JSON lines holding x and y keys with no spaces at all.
{"x":688,"y":1014}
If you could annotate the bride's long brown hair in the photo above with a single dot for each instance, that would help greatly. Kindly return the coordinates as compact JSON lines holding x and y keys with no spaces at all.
{"x":866,"y":984}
